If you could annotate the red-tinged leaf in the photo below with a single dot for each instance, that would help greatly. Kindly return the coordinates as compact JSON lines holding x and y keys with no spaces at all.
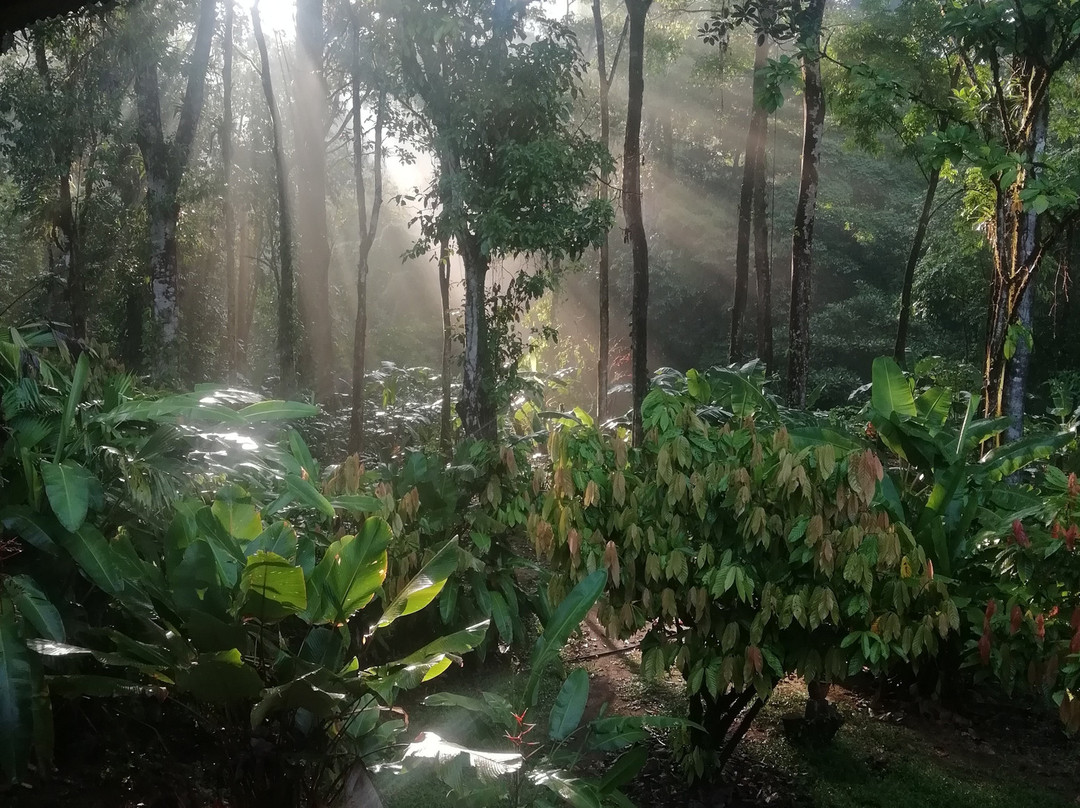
{"x":1074,"y":646}
{"x":1040,"y":626}
{"x":1015,"y":619}
{"x":1019,"y":534}
{"x":753,"y":653}
{"x":984,"y":648}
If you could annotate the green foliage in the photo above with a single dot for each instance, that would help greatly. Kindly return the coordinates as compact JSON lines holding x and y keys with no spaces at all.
{"x":773,"y":557}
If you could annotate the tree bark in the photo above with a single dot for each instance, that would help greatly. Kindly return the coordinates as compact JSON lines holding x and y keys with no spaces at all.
{"x":752,"y":167}
{"x":900,"y":350}
{"x":164,"y":163}
{"x":802,"y":239}
{"x":367,"y":228}
{"x":603,"y":348}
{"x":762,"y":267}
{"x":477,"y":406}
{"x":446,"y":434}
{"x":232,"y":331}
{"x":637,"y":10}
{"x":314,"y":242}
{"x":286,"y":337}
{"x":1016,"y":254}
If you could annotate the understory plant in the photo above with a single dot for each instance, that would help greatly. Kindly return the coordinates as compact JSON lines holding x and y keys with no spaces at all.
{"x":536,"y":757}
{"x":745,"y":554}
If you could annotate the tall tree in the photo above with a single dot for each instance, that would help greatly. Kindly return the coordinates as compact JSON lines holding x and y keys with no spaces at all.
{"x":1011,"y":51}
{"x":446,"y":416}
{"x":802,"y":239}
{"x":286,"y":337}
{"x":312,"y":231}
{"x":165,"y":160}
{"x":753,"y":169}
{"x":367,"y":227}
{"x":232,"y":330}
{"x":605,"y":76}
{"x":512,"y":172}
{"x":637,"y":12}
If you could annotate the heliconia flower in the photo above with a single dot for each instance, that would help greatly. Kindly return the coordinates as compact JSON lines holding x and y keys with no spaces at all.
{"x":1040,"y":626}
{"x":929,"y":570}
{"x":1053,"y":612}
{"x":1015,"y":619}
{"x":1070,"y":536}
{"x":984,"y":648}
{"x":1019,"y":535}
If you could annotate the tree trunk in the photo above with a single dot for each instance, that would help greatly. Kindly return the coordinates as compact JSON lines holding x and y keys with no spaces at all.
{"x":286,"y":338}
{"x":603,"y":348}
{"x":1016,"y":248}
{"x":637,"y":10}
{"x":762,"y":267}
{"x":164,"y":163}
{"x":314,"y":243}
{"x":802,"y":239}
{"x":900,"y":351}
{"x":232,"y":331}
{"x":445,"y":419}
{"x":477,"y":407}
{"x":367,"y":228}
{"x":752,"y":167}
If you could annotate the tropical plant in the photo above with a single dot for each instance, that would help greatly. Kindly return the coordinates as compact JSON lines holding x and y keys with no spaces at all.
{"x":746,"y":554}
{"x":540,"y":754}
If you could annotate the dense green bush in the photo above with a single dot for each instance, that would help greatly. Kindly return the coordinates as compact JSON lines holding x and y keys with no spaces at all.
{"x":747,"y":553}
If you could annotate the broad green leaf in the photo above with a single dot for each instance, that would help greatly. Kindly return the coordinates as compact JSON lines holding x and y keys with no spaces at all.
{"x":95,"y":557}
{"x":619,"y":731}
{"x":16,"y":695}
{"x":460,"y":642}
{"x":562,"y":624}
{"x":277,"y":411}
{"x":357,"y":503}
{"x":425,"y":586}
{"x":308,"y":495}
{"x":577,"y":792}
{"x":36,"y":529}
{"x":569,"y":704}
{"x":500,"y":613}
{"x":221,"y":678}
{"x":278,"y":538}
{"x":624,"y":769}
{"x":891,"y":391}
{"x":488,"y":765}
{"x":349,"y":574}
{"x":67,"y":486}
{"x":1012,"y":457}
{"x":236,"y":513}
{"x":35,"y":607}
{"x":273,"y":588}
{"x":934,"y":406}
{"x":78,"y":382}
{"x":74,"y":685}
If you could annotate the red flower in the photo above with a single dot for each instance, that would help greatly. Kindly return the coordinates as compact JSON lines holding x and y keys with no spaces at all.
{"x":991,"y":609}
{"x":1070,"y":537}
{"x":1040,"y":626}
{"x":1055,"y":530}
{"x":1015,"y":619}
{"x":984,"y":647}
{"x":1019,"y":536}
{"x":929,"y":570}
{"x":1053,"y":612}
{"x":1074,"y":487}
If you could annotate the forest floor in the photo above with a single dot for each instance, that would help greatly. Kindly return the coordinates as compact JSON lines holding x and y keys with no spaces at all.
{"x":893,"y":751}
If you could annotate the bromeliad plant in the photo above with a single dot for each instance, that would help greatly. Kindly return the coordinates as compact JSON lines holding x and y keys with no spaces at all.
{"x":746,"y":554}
